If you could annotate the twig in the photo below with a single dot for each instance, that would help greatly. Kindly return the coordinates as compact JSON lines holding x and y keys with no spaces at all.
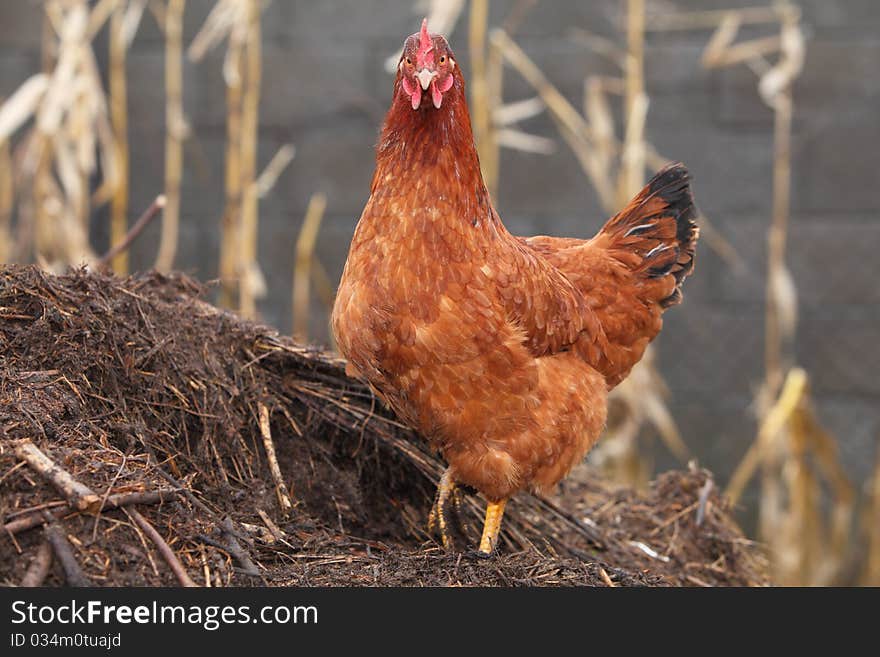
{"x":698,"y":581}
{"x":164,"y":549}
{"x":20,"y":464}
{"x":703,"y":500}
{"x":275,"y":469}
{"x":143,"y":539}
{"x":672,"y":519}
{"x":274,"y":169}
{"x":39,"y":568}
{"x":179,"y":486}
{"x":606,"y":579}
{"x":143,"y":221}
{"x":585,"y":530}
{"x":206,"y":568}
{"x":236,"y":550}
{"x":274,"y":529}
{"x":64,"y":551}
{"x":80,"y":496}
{"x":107,"y":495}
{"x":117,"y":501}
{"x":38,"y":507}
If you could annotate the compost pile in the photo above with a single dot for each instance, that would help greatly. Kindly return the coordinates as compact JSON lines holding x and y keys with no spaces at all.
{"x":148,"y":438}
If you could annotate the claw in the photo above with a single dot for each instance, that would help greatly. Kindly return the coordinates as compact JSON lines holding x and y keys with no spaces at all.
{"x":438,"y":519}
{"x":477,"y":555}
{"x":458,"y":505}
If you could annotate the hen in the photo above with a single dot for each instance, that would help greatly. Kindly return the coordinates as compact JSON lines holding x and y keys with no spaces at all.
{"x":500,"y":350}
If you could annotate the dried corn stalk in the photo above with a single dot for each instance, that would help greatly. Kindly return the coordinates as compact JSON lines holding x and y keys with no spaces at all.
{"x":798,"y":461}
{"x":68,"y":135}
{"x":252,"y":285}
{"x":791,"y":448}
{"x":304,"y":264}
{"x":124,"y":22}
{"x":774,"y":87}
{"x":176,"y":131}
{"x":871,"y":527}
{"x":6,"y":202}
{"x":238,"y":23}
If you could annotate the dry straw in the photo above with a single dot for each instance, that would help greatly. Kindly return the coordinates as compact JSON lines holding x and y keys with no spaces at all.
{"x":798,"y":461}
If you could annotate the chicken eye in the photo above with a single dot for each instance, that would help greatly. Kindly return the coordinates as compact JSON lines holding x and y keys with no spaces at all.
{"x":442,"y":59}
{"x":409,"y":61}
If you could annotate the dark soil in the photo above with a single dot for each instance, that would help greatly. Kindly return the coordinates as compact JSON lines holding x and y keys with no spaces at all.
{"x":137,"y":385}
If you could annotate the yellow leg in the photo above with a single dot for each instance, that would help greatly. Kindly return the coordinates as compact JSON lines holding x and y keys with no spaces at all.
{"x":492,"y":526}
{"x":437,"y":518}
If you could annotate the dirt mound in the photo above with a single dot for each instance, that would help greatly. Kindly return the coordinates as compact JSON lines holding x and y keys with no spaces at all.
{"x":131,"y":442}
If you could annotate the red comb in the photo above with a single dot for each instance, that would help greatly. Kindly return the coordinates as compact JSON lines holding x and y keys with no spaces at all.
{"x":425,"y":47}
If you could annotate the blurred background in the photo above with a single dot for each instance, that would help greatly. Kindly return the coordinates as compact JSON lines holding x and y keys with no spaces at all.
{"x":257,"y":121}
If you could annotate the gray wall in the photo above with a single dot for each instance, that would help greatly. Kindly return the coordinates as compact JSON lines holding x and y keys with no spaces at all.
{"x":326,"y":92}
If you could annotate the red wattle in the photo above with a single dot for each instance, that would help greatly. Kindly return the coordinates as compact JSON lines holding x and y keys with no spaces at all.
{"x":437,"y":90}
{"x":414,"y":93}
{"x":436,"y":96}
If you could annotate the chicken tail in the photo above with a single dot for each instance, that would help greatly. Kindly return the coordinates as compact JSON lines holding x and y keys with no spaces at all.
{"x":656,"y":234}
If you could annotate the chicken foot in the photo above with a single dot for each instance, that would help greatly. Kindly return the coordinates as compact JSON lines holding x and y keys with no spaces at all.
{"x":446,"y":510}
{"x":440,"y":518}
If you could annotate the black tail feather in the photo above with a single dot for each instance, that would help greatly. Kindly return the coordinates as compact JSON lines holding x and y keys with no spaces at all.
{"x":660,"y":224}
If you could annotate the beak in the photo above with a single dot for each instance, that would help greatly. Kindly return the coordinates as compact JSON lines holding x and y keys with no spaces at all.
{"x":425,"y":76}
